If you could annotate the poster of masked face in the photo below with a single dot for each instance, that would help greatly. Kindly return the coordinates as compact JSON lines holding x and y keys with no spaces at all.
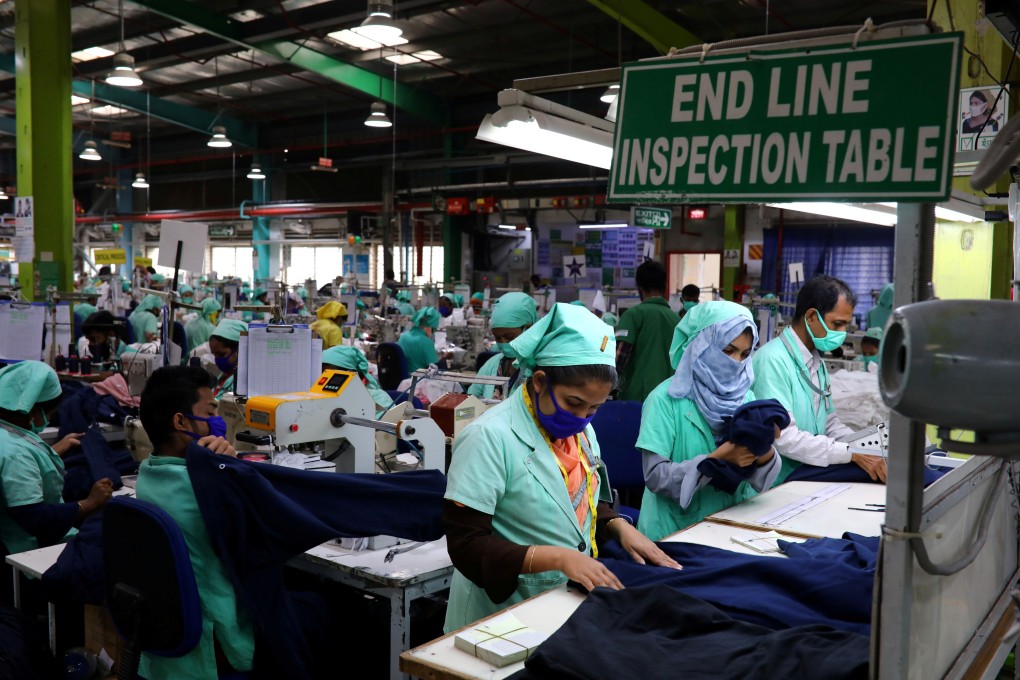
{"x":983,"y":112}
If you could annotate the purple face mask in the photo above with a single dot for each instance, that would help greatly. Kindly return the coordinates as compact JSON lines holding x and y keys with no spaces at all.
{"x":562,"y":423}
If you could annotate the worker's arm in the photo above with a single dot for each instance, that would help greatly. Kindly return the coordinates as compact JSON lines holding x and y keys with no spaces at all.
{"x":623,"y":352}
{"x":813,"y":449}
{"x":676,"y":481}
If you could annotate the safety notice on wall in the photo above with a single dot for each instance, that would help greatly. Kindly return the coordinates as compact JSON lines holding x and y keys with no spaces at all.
{"x":875,"y":122}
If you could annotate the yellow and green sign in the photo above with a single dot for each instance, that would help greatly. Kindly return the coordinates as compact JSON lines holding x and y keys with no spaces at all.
{"x":111,"y":256}
{"x":875,"y":122}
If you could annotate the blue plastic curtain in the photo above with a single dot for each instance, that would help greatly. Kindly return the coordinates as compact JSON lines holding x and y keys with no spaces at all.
{"x":860,"y":256}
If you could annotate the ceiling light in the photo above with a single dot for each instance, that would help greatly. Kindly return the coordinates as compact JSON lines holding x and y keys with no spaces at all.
{"x":360,"y":42}
{"x":123,"y":73}
{"x":613,"y":108}
{"x":513,"y":227}
{"x":379,"y":25}
{"x":3,"y":195}
{"x":604,"y":225}
{"x":140,"y":182}
{"x":842,"y":211}
{"x":542,"y":133}
{"x":256,"y":173}
{"x":414,"y":58}
{"x":610,"y":94}
{"x":90,"y":152}
{"x":76,"y":100}
{"x":949,"y":214}
{"x":378,"y":117}
{"x":90,"y":53}
{"x":219,"y":138}
{"x":108,"y":110}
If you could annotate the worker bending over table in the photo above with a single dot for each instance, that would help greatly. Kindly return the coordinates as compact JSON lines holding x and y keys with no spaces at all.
{"x":528,"y":496}
{"x":692,"y":466}
{"x":790,"y":368}
{"x":512,"y":315}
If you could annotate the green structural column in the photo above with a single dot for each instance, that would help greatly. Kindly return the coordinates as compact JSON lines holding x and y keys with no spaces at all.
{"x":260,"y":225}
{"x":733,"y":239}
{"x":42,"y":43}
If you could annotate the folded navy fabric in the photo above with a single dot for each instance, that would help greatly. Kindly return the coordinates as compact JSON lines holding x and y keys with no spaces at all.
{"x":753,"y":425}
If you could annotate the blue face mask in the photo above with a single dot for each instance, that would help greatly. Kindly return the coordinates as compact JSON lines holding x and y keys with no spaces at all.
{"x":507,"y":351}
{"x":224,"y":364}
{"x":217,"y":426}
{"x":830,"y":341}
{"x":445,"y":311}
{"x":562,"y":423}
{"x":39,"y":428}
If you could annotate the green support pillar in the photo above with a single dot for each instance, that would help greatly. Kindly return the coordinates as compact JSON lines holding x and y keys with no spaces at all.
{"x":733,"y":239}
{"x":42,"y":43}
{"x":260,"y":225}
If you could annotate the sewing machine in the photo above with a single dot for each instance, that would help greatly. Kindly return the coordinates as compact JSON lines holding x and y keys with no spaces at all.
{"x":874,"y":441}
{"x":470,"y":338}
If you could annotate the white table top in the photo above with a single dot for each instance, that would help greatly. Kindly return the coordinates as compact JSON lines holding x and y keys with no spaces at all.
{"x":830,"y":518}
{"x":719,"y":535}
{"x":36,"y":562}
{"x":406,"y":568}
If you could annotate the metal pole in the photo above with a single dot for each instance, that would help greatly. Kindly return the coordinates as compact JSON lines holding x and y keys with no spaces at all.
{"x":891,"y":615}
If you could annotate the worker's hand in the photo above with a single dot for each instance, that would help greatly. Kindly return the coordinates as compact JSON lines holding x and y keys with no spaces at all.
{"x":641,"y":548}
{"x":586,"y":570}
{"x":217,"y":445}
{"x":67,"y":443}
{"x":766,"y":458}
{"x":101,"y":492}
{"x":873,"y":465}
{"x":740,"y":456}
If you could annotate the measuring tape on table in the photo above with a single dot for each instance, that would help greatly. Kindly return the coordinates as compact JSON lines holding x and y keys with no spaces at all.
{"x":788,"y":512}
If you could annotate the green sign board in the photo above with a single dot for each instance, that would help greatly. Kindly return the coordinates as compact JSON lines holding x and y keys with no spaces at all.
{"x":651,"y":218}
{"x":871,"y":123}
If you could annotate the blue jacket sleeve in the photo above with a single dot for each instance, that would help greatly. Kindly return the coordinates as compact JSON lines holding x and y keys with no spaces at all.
{"x":48,"y":522}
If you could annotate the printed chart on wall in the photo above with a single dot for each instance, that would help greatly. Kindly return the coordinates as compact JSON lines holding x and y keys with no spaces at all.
{"x":620,"y":251}
{"x":24,"y":229}
{"x":983,"y":112}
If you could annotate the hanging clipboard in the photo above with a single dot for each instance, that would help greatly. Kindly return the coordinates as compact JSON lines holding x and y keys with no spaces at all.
{"x":276,"y":359}
{"x":21,"y":330}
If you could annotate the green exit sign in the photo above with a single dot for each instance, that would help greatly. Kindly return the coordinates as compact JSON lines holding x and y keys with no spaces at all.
{"x":651,"y":218}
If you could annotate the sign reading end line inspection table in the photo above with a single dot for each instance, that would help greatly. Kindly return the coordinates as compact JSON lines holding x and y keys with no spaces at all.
{"x":875,"y":122}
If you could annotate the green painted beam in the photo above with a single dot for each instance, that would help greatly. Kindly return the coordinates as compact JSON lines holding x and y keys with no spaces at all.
{"x":660,"y":31}
{"x":199,"y":120}
{"x":407,"y":98}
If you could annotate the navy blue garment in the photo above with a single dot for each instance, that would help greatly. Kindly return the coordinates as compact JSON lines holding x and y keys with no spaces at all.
{"x":849,"y":472}
{"x":48,"y":522}
{"x":77,"y":575}
{"x":823,"y":581}
{"x":753,"y":425}
{"x":725,"y":475}
{"x":95,"y":459}
{"x":657,"y":633}
{"x":259,"y":516}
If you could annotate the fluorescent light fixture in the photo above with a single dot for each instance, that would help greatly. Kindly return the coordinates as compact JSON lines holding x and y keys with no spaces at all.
{"x":123,"y":73}
{"x":256,"y":173}
{"x":415,"y":57}
{"x":379,"y":24}
{"x":378,"y":117}
{"x":140,"y":182}
{"x":511,"y":227}
{"x":604,"y":225}
{"x":77,"y":101}
{"x":3,"y":195}
{"x":90,"y":152}
{"x":531,"y":123}
{"x":609,"y":96}
{"x":219,"y":139}
{"x":90,"y":53}
{"x":613,"y":107}
{"x":360,"y":42}
{"x":949,"y":214}
{"x":108,"y":110}
{"x":842,"y":211}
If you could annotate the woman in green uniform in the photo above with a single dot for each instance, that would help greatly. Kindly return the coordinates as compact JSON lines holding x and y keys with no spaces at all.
{"x":202,"y":326}
{"x":145,"y":319}
{"x":224,"y":343}
{"x":417,"y":343}
{"x":512,"y":314}
{"x":682,"y":419}
{"x":528,"y":499}
{"x":353,"y":359}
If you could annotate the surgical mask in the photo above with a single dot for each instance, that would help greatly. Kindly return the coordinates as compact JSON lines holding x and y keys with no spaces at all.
{"x":445,"y":311}
{"x":562,"y":423}
{"x":39,"y":428}
{"x":689,"y":305}
{"x":830,"y":341}
{"x":506,"y":349}
{"x":217,"y":426}
{"x":224,"y":364}
{"x":978,"y":110}
{"x":870,"y":360}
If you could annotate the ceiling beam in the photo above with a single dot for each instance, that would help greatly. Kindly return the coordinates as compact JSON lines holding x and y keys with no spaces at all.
{"x":410,"y":99}
{"x":659,"y":30}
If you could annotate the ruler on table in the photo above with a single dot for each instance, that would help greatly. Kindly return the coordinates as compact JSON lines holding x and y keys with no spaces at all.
{"x":788,"y":512}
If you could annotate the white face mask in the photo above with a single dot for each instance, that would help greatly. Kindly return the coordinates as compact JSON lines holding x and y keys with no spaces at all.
{"x":978,"y":110}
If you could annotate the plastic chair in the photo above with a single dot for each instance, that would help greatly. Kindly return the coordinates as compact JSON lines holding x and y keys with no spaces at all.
{"x":483,"y":357}
{"x":392,"y":365}
{"x":150,"y":584}
{"x":616,"y":425}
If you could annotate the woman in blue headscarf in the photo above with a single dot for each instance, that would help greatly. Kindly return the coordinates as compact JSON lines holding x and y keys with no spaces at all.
{"x":683,"y":436}
{"x":512,"y":314}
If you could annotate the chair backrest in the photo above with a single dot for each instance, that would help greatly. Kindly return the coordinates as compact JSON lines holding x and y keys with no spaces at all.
{"x":392,"y":365}
{"x":399,"y":397}
{"x":616,"y":426}
{"x":150,"y":584}
{"x":483,"y":357}
{"x":129,"y":329}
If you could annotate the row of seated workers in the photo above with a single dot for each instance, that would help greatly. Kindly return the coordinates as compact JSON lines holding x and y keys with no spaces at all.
{"x":525,"y":506}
